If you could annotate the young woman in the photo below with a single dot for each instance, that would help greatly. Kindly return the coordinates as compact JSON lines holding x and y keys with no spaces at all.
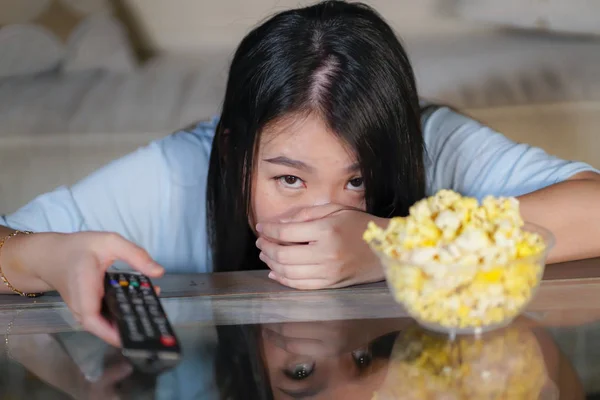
{"x":321,"y":131}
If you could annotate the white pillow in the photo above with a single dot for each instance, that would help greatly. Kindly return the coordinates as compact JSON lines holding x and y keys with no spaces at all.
{"x":99,"y":42}
{"x":28,"y":49}
{"x":574,"y":16}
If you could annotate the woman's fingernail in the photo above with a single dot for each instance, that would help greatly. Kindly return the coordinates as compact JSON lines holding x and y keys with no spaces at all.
{"x":257,"y":243}
{"x":156,"y":268}
{"x":259,"y":228}
{"x":271,"y":275}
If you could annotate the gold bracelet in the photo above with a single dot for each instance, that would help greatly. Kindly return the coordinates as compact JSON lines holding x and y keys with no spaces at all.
{"x":6,"y":282}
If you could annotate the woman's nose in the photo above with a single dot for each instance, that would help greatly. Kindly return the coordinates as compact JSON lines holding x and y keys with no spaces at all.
{"x":325,"y":196}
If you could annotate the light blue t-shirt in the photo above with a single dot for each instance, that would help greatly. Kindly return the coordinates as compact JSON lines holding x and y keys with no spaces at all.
{"x":156,"y":195}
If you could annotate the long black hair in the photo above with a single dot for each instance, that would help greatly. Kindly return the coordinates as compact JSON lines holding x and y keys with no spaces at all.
{"x":342,"y":62}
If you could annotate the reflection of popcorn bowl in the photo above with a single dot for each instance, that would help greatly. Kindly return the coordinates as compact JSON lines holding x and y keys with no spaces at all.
{"x":505,"y":364}
{"x":475,"y":277}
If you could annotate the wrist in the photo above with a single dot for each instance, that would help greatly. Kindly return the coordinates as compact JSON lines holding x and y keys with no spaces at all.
{"x":16,"y":269}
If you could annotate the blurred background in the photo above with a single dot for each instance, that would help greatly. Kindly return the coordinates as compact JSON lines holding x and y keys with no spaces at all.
{"x":83,"y":82}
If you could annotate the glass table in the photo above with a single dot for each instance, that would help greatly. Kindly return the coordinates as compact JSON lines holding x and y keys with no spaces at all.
{"x":245,"y":337}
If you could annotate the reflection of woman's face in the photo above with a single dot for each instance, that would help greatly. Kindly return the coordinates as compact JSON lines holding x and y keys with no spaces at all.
{"x":333,"y":359}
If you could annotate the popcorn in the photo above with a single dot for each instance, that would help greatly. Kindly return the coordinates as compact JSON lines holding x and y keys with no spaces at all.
{"x":505,"y":365}
{"x":460,"y":264}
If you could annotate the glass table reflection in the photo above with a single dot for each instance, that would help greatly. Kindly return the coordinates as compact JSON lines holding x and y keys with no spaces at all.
{"x":278,"y":344}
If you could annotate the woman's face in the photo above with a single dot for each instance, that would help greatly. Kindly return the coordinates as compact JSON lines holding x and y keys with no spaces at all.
{"x":327,"y":359}
{"x":300,"y":163}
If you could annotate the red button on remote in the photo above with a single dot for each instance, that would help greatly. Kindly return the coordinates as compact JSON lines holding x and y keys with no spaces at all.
{"x":145,"y":285}
{"x":167,"y":340}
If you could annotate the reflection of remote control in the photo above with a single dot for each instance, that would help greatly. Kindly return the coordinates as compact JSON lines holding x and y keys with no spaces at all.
{"x":146,"y":335}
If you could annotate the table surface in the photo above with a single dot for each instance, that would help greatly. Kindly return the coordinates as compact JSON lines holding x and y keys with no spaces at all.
{"x":245,"y":336}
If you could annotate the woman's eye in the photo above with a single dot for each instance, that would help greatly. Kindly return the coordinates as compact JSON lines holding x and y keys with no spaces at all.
{"x":290,"y":181}
{"x":300,"y":371}
{"x":362,"y":357}
{"x":356,"y":184}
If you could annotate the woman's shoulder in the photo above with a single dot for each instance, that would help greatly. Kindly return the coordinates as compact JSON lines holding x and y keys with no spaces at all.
{"x":448,"y":133}
{"x":437,"y":119}
{"x":187,"y":152}
{"x":465,"y":155}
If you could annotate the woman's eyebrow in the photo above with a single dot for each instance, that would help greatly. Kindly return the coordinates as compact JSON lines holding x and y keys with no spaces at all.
{"x":301,"y":165}
{"x":353,"y":168}
{"x":288,"y":162}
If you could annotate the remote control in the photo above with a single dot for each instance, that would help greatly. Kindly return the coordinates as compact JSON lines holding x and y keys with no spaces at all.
{"x":147,"y":337}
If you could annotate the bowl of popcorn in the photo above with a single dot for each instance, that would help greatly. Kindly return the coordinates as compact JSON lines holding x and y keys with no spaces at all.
{"x":459,"y":266}
{"x":504,"y":364}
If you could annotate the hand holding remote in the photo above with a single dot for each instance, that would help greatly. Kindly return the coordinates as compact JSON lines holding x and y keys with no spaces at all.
{"x":74,"y":265}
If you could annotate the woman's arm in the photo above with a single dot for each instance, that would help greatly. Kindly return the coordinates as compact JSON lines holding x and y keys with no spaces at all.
{"x":119,"y":197}
{"x":122,"y":197}
{"x":128,"y":196}
{"x":571,"y":210}
{"x":560,"y":195}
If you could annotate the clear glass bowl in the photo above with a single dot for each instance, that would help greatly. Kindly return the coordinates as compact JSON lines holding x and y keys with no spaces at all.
{"x":508,"y":363}
{"x":455,"y":299}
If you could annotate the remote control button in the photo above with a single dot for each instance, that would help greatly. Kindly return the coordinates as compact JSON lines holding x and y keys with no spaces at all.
{"x":145,"y":285}
{"x":161,"y":324}
{"x":114,"y":283}
{"x":139,"y":308}
{"x":123,"y":283}
{"x":125,"y":308}
{"x":167,"y":340}
{"x":135,"y":284}
{"x":133,"y":334}
{"x":151,"y":301}
{"x":154,"y":311}
{"x":148,"y":329}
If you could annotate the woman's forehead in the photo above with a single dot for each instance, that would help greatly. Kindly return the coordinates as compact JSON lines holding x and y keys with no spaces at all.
{"x":286,"y":127}
{"x":306,"y":135}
